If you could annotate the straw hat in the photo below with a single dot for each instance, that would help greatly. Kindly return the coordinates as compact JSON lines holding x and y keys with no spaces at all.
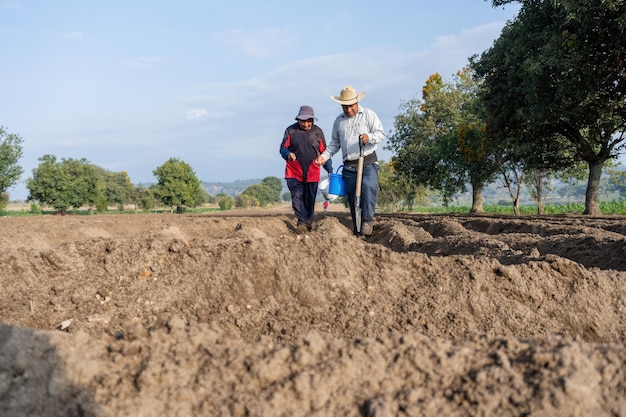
{"x":348,"y":96}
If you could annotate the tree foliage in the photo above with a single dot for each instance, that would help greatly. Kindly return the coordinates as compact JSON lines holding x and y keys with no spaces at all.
{"x":267,"y":192}
{"x":275,"y":184}
{"x":177,"y":184}
{"x":63,"y":184}
{"x":555,"y":80}
{"x":440,"y":141}
{"x":243,"y":200}
{"x":118,"y":187}
{"x":4,"y":201}
{"x":262,"y":194}
{"x":144,"y":198}
{"x":74,"y":183}
{"x":225,"y":202}
{"x":10,"y":154}
{"x":396,"y":190}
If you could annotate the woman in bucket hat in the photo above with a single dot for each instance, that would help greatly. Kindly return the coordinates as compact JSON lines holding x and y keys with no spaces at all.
{"x":357,"y":124}
{"x":302,"y":143}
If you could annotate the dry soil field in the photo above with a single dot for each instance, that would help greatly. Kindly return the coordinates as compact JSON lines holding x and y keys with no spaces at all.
{"x":235,"y":315}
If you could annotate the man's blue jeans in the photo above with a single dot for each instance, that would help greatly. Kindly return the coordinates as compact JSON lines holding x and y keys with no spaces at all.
{"x":369,"y":191}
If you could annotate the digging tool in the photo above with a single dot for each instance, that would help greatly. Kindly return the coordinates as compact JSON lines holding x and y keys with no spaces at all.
{"x":357,"y":194}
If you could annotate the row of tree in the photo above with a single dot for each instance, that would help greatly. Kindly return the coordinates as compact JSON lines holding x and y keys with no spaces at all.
{"x":548,"y":99}
{"x":74,"y":183}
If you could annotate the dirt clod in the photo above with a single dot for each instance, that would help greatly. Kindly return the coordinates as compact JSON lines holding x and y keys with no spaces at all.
{"x":234,"y":314}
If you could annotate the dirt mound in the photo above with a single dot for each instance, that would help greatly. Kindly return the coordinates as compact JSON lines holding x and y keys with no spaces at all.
{"x":237,"y":315}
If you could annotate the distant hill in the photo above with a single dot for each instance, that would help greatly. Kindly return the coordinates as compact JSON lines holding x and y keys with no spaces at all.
{"x":230,"y":188}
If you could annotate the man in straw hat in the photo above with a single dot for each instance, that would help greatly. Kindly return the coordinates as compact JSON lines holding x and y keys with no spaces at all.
{"x":302,"y":143}
{"x":357,"y":125}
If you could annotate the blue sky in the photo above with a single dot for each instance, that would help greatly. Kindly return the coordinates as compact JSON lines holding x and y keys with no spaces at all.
{"x":129,"y":84}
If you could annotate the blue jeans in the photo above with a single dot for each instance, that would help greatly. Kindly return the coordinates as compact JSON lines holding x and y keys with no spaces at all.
{"x":369,"y":191}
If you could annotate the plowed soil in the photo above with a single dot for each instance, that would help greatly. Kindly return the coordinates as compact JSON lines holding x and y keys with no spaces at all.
{"x":233,"y":314}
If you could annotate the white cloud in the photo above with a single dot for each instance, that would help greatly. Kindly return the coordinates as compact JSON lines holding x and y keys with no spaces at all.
{"x":260,"y":45}
{"x":195,"y":113}
{"x":469,"y":38}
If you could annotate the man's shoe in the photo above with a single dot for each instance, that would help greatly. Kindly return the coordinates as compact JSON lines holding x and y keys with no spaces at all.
{"x":301,"y":229}
{"x":367,"y":228}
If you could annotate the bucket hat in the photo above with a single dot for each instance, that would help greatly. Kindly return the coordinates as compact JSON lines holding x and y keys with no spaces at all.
{"x":348,"y":95}
{"x":306,"y":113}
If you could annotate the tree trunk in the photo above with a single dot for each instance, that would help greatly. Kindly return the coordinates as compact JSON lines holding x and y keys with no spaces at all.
{"x":539,"y":189}
{"x":477,"y":198}
{"x":539,"y":179}
{"x":592,"y":205}
{"x":516,"y":206}
{"x":409,"y":202}
{"x":540,"y":206}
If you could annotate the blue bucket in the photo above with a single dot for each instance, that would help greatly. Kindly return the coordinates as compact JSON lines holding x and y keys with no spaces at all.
{"x":336,"y":185}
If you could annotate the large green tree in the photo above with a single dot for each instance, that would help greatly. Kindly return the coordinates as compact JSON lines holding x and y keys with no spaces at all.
{"x":555,"y":80}
{"x":63,"y":184}
{"x":440,"y":142}
{"x":177,"y":184}
{"x":419,"y":140}
{"x":10,"y":154}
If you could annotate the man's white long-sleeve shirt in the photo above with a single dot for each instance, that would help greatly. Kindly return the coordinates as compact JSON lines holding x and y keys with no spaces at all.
{"x":346,"y":132}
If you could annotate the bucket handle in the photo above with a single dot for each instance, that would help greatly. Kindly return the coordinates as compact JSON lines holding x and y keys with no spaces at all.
{"x":339,"y":167}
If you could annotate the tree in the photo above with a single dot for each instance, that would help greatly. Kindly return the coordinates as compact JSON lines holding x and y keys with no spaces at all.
{"x":397,"y":189}
{"x":144,"y":197}
{"x":418,"y":142}
{"x":391,"y":193}
{"x":225,"y":201}
{"x":203,"y":197}
{"x":263,"y":194}
{"x":118,"y":187}
{"x":177,"y":185}
{"x":440,"y":141}
{"x":245,"y":201}
{"x":554,"y":79}
{"x":85,"y":187}
{"x":48,"y":185}
{"x":275,"y":184}
{"x":64,"y":184}
{"x":10,"y":153}
{"x":617,"y":182}
{"x":537,"y":182}
{"x":267,"y":192}
{"x":513,"y":175}
{"x":4,"y":201}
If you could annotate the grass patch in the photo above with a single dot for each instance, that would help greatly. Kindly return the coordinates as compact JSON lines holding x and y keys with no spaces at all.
{"x":606,"y":207}
{"x":86,"y":212}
